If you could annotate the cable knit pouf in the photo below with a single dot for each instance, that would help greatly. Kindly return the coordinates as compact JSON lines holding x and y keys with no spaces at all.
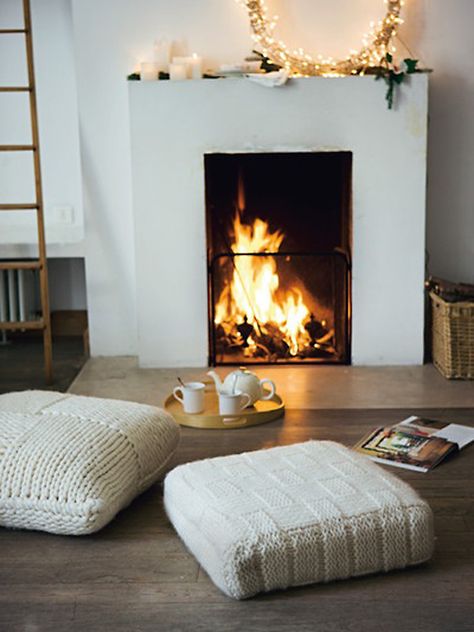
{"x":287,"y":516}
{"x":68,"y":464}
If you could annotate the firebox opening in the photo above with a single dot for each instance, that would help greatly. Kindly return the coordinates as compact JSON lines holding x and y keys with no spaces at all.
{"x":278,"y":247}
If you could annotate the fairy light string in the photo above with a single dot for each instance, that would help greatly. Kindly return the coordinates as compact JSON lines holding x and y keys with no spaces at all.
{"x":375,"y":44}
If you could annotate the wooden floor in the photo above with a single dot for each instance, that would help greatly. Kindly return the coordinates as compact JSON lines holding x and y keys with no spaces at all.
{"x":22,"y":363}
{"x":135,"y":575}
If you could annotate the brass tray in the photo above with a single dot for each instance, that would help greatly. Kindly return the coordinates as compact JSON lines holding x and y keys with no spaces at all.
{"x":261,"y":412}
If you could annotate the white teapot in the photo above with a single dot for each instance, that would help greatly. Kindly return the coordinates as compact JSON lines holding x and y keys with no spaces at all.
{"x":246,"y":382}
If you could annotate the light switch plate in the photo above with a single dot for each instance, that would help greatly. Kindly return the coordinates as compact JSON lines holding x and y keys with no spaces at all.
{"x":61,"y":214}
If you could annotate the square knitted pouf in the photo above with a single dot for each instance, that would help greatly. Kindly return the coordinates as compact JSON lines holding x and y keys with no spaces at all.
{"x":287,"y":516}
{"x":68,"y":464}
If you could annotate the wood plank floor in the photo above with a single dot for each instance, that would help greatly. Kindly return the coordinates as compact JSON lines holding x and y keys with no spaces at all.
{"x":135,"y":575}
{"x":22,"y":363}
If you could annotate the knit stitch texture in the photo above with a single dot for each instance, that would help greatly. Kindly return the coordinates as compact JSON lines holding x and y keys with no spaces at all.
{"x":68,"y":464}
{"x":287,"y":516}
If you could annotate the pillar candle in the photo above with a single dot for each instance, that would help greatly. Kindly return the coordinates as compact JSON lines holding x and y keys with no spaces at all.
{"x":178,"y":71}
{"x":148,"y":71}
{"x":184,"y":61}
{"x":195,"y":63}
{"x":162,"y":51}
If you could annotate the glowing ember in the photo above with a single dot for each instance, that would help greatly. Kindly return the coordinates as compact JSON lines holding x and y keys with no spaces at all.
{"x":259,"y":315}
{"x":254,"y":295}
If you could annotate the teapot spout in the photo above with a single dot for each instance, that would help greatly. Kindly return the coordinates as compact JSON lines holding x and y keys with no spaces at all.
{"x":216,"y":378}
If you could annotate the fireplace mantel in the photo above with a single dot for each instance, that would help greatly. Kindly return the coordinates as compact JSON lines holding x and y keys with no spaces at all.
{"x":173,"y":124}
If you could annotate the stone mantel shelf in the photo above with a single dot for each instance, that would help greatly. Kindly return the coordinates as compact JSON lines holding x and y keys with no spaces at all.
{"x":354,"y":83}
{"x":291,"y":81}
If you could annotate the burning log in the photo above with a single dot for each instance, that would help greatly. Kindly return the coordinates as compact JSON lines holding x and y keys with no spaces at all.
{"x":272,"y":340}
{"x":227,"y":342}
{"x":256,"y":315}
{"x":321,"y":351}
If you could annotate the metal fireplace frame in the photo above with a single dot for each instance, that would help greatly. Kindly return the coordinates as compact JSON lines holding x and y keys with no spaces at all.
{"x":337,"y":253}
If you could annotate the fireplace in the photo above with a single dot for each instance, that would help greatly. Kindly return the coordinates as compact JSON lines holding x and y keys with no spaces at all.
{"x":175,"y":123}
{"x":278,"y":254}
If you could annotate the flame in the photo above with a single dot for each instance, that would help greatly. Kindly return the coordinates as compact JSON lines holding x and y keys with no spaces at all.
{"x":254,"y":294}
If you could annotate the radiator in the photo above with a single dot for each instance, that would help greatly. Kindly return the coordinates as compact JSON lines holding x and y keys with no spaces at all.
{"x":18,"y":295}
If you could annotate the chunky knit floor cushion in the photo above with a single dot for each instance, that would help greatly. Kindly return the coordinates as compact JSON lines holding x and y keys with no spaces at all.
{"x":68,"y":464}
{"x":287,"y":516}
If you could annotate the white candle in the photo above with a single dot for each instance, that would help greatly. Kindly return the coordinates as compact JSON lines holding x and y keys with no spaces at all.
{"x":178,"y":71}
{"x":184,"y":61}
{"x":162,"y":50}
{"x":148,"y":71}
{"x":195,"y":63}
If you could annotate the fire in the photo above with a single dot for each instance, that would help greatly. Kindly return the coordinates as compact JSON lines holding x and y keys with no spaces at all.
{"x":254,"y":297}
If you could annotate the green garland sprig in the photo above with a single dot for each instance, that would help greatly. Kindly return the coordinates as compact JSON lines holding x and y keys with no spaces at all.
{"x":395,"y":75}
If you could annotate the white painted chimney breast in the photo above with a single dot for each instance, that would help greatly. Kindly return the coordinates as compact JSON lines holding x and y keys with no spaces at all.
{"x":173,"y":124}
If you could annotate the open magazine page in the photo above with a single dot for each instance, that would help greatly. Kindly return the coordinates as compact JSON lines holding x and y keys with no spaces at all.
{"x":461,"y":435}
{"x":407,"y":446}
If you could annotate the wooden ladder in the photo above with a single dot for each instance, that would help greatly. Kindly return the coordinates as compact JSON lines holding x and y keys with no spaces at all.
{"x":40,"y":264}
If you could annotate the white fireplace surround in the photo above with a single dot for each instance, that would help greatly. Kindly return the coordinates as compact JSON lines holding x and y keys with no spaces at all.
{"x":173,"y":124}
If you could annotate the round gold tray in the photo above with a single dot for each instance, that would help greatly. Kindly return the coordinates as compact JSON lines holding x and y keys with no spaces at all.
{"x":260,"y":413}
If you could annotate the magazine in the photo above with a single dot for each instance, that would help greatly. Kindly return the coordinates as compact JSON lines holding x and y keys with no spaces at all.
{"x":416,"y":443}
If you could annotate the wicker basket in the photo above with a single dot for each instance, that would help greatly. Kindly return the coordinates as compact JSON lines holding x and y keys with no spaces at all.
{"x":453,"y":337}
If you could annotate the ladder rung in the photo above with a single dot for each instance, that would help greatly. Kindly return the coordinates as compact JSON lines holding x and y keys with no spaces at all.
{"x":43,"y":322}
{"x":18,"y":207}
{"x":25,"y":324}
{"x":20,"y":265}
{"x":17,"y":148}
{"x":15,"y":88}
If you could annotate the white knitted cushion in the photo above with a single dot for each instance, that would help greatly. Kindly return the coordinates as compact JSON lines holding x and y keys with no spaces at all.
{"x":68,"y":464}
{"x":287,"y":516}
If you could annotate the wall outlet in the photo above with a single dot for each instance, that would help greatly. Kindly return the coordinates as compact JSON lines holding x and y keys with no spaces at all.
{"x":61,"y":214}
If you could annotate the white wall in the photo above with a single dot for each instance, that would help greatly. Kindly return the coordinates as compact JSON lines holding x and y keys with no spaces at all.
{"x":446,"y":44}
{"x":58,"y":127}
{"x":111,"y":36}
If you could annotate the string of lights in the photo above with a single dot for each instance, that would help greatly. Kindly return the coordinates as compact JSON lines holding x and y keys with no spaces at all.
{"x":375,"y":44}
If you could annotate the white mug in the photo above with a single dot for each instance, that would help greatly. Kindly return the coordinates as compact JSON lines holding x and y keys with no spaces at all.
{"x":232,"y":403}
{"x":192,"y":396}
